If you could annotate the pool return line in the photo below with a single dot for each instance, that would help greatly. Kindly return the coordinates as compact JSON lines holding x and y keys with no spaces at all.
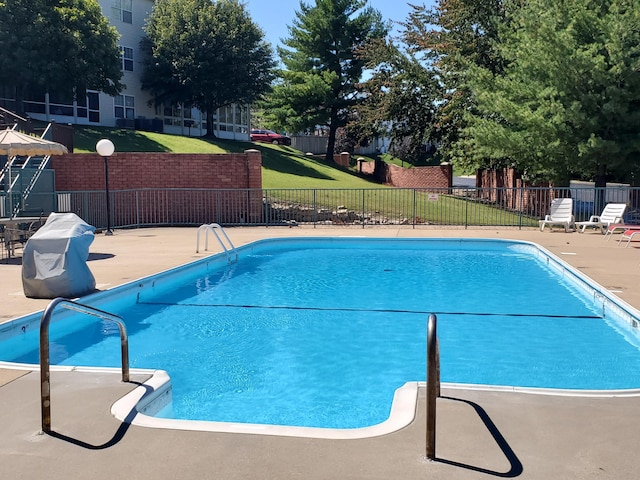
{"x":45,"y":362}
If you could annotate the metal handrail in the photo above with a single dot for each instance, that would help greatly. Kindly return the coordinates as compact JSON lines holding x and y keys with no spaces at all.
{"x":433,"y":384}
{"x":45,"y":361}
{"x":214,"y":228}
{"x":34,"y":179}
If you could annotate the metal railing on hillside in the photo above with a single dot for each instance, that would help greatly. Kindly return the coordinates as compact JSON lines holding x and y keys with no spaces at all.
{"x":461,"y":207}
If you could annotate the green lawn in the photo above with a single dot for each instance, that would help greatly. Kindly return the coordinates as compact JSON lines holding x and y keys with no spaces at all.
{"x":309,"y":181}
{"x":282,"y":167}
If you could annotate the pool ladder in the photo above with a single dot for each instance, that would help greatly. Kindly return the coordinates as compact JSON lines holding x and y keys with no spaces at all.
{"x":45,"y":361}
{"x":218,"y":232}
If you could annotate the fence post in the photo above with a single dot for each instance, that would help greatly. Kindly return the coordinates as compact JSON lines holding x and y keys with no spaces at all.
{"x":466,"y":208}
{"x":315,"y":208}
{"x":138,"y":209}
{"x":414,"y":208}
{"x":85,"y":206}
{"x":363,"y":206}
{"x":521,"y":208}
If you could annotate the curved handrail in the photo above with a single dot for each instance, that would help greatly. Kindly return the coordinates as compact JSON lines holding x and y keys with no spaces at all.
{"x":45,"y":361}
{"x":433,"y":384}
{"x":214,"y":228}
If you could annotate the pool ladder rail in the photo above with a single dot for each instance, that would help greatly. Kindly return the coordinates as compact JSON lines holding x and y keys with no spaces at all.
{"x":45,"y":360}
{"x":218,"y":232}
{"x":433,"y":364}
{"x":433,"y":385}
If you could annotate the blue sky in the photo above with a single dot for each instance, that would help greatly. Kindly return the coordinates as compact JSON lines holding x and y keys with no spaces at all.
{"x":274,"y":16}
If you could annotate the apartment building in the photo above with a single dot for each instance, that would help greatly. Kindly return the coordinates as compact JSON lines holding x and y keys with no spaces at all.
{"x":132,"y":109}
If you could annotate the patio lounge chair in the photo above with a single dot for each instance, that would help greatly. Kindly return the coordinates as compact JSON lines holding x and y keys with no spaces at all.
{"x":628,"y":236}
{"x":561,"y":213}
{"x":619,"y":227}
{"x":611,"y":214}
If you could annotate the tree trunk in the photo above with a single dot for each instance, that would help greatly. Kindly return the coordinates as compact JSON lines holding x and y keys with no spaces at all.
{"x":600,"y":184}
{"x":331,"y":144}
{"x":333,"y":128}
{"x":19,"y":96}
{"x":209,"y":120}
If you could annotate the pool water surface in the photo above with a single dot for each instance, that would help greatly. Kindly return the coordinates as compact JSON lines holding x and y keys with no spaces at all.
{"x":321,"y":332}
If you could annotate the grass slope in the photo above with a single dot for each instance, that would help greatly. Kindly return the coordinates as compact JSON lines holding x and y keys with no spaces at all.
{"x":282,"y":167}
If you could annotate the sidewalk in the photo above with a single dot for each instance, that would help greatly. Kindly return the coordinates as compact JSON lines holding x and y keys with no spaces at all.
{"x":480,"y":434}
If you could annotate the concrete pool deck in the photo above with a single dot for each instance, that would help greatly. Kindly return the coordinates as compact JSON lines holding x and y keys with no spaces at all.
{"x":480,"y":434}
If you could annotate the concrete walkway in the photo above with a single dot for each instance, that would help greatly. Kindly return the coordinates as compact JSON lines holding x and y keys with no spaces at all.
{"x":480,"y":434}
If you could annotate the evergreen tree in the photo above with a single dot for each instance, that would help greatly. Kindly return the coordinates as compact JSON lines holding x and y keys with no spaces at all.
{"x":318,"y":84}
{"x":454,"y":36}
{"x":205,"y":54}
{"x":568,"y":102}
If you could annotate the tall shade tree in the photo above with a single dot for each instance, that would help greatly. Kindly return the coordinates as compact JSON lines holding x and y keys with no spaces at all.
{"x":205,"y":54}
{"x":568,"y":103}
{"x":454,"y":36}
{"x":318,"y":84}
{"x":400,"y":100}
{"x":62,"y":46}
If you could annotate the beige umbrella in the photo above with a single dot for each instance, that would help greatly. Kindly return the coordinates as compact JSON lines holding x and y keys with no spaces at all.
{"x":14,"y":143}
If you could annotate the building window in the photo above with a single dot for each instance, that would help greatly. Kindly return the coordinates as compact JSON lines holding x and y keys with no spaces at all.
{"x":242,"y":115}
{"x":122,"y":10}
{"x":124,"y":107}
{"x":126,"y":58}
{"x":93,"y":103}
{"x":177,"y":115}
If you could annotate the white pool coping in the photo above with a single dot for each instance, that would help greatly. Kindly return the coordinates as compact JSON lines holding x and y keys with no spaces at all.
{"x":138,"y":406}
{"x":155,"y":393}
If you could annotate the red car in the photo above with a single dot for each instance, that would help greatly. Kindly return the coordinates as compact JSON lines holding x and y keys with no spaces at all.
{"x":268,"y":136}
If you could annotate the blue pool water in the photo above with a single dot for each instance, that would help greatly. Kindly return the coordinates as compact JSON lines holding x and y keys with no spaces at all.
{"x":320,"y":332}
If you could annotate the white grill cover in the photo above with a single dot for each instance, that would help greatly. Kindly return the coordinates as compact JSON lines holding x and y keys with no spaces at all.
{"x":54,"y":261}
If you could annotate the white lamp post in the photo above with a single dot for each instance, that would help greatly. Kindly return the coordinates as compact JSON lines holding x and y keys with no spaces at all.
{"x":105,"y":149}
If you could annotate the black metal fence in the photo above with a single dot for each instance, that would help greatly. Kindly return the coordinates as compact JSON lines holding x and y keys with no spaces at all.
{"x":455,"y":207}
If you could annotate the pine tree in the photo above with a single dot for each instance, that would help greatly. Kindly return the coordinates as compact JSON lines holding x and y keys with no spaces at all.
{"x":455,"y":36}
{"x":318,"y":84}
{"x":568,"y":102}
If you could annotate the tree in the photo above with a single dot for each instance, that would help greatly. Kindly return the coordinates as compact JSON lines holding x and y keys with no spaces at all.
{"x":62,"y":47}
{"x":400,"y":100}
{"x":453,"y":37}
{"x":205,"y":54}
{"x":318,"y":84}
{"x":568,"y":102}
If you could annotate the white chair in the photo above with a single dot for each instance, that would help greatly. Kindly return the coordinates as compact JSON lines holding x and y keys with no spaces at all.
{"x":561,"y":213}
{"x":611,"y":214}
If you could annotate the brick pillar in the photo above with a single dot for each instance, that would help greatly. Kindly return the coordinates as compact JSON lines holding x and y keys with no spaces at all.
{"x":254,"y":182}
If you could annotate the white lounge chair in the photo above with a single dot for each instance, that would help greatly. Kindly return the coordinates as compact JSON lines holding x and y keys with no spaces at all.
{"x":561,"y":213}
{"x":611,"y":214}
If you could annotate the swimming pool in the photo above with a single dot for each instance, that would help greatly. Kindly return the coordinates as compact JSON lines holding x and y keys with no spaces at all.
{"x":321,"y":332}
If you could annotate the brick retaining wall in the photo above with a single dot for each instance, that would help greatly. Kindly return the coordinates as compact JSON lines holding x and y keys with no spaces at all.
{"x":437,"y":176}
{"x":85,"y":171}
{"x":136,"y":171}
